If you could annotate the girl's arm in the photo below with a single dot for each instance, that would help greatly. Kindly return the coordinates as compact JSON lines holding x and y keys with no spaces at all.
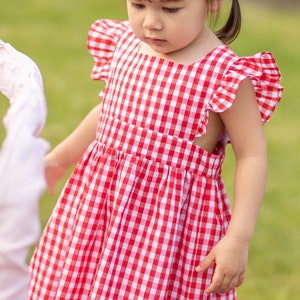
{"x":245,"y":128}
{"x":70,"y":150}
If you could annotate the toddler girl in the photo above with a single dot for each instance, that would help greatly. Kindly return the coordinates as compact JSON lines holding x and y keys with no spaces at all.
{"x":145,"y":214}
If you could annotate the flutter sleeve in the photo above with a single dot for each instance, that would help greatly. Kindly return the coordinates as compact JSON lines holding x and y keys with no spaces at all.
{"x":262,"y":69}
{"x":102,"y":40}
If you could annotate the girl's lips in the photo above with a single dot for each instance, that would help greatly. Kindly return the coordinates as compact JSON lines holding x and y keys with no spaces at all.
{"x":155,"y":41}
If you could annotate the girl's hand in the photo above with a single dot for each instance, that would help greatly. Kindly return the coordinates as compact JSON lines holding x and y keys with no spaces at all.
{"x":53,"y":173}
{"x":230,"y":256}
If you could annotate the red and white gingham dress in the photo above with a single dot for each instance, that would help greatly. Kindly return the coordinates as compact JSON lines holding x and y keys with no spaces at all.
{"x":145,"y":205}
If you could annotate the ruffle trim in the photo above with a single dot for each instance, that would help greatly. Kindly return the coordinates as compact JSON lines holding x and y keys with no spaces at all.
{"x":102,"y":39}
{"x":262,"y":69}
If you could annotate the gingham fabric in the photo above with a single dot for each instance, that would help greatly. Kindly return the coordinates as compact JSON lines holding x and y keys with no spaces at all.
{"x":145,"y":205}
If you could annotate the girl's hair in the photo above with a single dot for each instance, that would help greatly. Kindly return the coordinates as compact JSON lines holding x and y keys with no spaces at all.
{"x":229,"y":32}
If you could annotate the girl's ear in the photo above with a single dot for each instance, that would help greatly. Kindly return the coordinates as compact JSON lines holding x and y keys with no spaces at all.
{"x":214,"y":5}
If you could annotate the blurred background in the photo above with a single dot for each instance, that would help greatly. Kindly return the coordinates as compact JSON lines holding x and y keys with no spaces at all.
{"x":53,"y":33}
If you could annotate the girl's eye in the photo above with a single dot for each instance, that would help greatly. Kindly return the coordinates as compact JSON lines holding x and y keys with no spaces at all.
{"x":170,"y":10}
{"x":137,"y":5}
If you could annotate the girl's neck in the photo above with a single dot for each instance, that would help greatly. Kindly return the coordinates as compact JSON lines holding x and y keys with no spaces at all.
{"x":188,"y":55}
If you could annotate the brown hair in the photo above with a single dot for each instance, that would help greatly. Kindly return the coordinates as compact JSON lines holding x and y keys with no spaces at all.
{"x":229,"y":32}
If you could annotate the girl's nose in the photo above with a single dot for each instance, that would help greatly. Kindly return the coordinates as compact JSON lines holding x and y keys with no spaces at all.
{"x":152,"y":21}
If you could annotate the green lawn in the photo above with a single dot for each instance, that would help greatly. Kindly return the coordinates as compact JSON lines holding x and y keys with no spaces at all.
{"x":53,"y":33}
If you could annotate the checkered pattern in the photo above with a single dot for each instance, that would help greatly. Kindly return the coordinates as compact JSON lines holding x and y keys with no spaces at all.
{"x":145,"y":205}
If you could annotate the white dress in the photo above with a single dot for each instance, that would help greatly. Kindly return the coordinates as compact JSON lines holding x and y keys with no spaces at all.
{"x":21,"y":168}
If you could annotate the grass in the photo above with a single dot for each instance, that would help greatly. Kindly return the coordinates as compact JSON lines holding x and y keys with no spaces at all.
{"x":53,"y":33}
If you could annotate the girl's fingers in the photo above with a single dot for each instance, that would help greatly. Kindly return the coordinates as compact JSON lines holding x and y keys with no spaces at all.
{"x":216,"y":283}
{"x":222,"y":283}
{"x":229,"y":283}
{"x":207,"y":262}
{"x":241,"y":280}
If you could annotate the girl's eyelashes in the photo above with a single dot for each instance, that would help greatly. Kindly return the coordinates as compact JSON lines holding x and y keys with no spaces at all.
{"x":169,"y":10}
{"x":137,"y":5}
